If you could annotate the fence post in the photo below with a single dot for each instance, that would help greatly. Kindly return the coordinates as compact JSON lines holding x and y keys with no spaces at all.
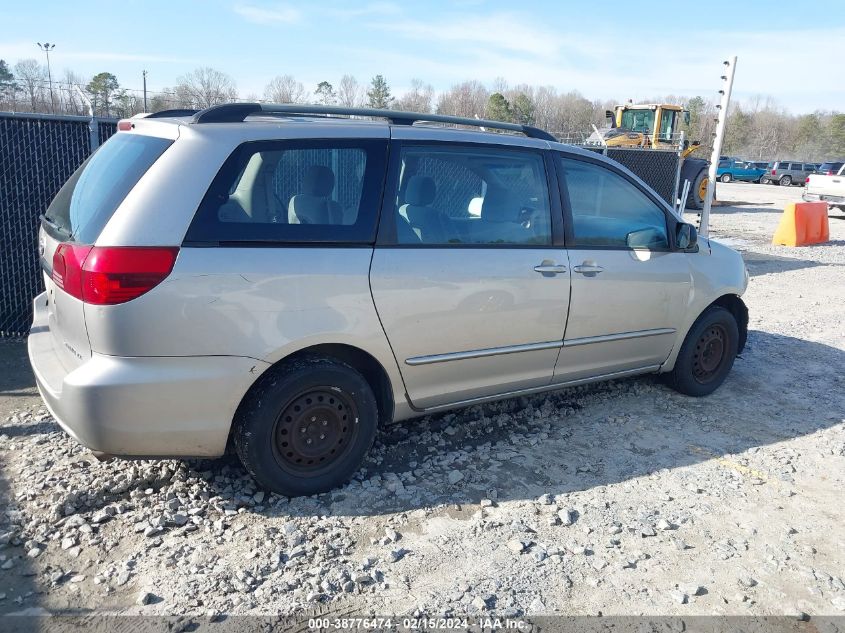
{"x":93,"y":125}
{"x":678,"y":170}
{"x":94,"y":131}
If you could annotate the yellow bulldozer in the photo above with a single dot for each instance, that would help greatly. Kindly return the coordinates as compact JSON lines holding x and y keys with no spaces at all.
{"x":656,"y":126}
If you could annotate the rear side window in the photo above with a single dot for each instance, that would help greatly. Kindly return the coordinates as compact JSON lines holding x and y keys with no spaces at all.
{"x":294,"y":191}
{"x":86,"y":202}
{"x":451,"y":195}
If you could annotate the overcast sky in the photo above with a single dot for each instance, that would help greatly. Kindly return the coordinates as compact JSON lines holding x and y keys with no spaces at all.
{"x":604,"y":49}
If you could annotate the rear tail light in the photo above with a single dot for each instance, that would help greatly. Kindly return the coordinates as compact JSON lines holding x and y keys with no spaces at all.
{"x":67,"y":267}
{"x":773,"y":172}
{"x":807,"y":181}
{"x":108,"y":275}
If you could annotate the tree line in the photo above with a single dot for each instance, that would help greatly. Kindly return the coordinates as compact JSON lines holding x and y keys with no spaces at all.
{"x":756,"y":130}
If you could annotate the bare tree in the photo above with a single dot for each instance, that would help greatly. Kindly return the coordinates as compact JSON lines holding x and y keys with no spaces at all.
{"x":285,"y":89}
{"x":205,"y":87}
{"x":467,"y":99}
{"x":31,"y":77}
{"x":350,"y":93}
{"x":420,"y":98}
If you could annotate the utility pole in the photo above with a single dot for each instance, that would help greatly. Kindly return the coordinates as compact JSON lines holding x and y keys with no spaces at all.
{"x":47,"y":47}
{"x":145,"y":90}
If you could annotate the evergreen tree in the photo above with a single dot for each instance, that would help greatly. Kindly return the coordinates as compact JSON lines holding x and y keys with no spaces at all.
{"x":378,"y":96}
{"x":498,"y":108}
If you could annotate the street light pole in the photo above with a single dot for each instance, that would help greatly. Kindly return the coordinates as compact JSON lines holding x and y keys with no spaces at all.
{"x":47,"y":47}
{"x":145,"y":91}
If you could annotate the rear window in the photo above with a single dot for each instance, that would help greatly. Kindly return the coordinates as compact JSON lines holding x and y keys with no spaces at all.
{"x":86,"y":202}
{"x":830,"y":167}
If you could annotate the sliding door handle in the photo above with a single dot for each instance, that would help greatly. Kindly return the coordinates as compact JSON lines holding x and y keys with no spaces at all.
{"x":550,"y":269}
{"x":590,"y":269}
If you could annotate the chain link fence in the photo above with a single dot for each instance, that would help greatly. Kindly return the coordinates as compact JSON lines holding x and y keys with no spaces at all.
{"x":38,"y":154}
{"x":659,"y":169}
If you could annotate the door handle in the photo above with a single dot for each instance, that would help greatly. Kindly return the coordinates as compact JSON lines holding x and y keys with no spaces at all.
{"x":550,"y":269}
{"x":588,"y":269}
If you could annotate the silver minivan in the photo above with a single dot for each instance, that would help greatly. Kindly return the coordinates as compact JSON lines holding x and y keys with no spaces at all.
{"x":286,"y":278}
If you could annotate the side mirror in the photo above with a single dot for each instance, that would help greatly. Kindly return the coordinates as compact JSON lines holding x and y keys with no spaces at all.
{"x":686,"y":237}
{"x":686,"y":117}
{"x":608,"y":114}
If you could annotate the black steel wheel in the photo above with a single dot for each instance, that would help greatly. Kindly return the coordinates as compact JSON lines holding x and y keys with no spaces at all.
{"x":707,"y":353}
{"x":315,"y":430}
{"x":306,"y":425}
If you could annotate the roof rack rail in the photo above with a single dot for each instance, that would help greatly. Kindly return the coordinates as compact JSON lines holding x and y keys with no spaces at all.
{"x":174,"y":112}
{"x":237,"y":112}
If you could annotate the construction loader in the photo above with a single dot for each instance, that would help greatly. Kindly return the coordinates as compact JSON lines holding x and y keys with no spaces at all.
{"x":656,"y":126}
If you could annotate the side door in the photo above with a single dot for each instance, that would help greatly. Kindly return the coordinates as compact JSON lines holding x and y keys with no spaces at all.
{"x":630,"y":289}
{"x":470,"y":277}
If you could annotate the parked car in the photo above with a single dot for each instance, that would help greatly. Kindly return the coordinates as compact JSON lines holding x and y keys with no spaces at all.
{"x":826,"y":188}
{"x":830,"y":169}
{"x":728,"y":170}
{"x":287,"y":282}
{"x":786,"y":172}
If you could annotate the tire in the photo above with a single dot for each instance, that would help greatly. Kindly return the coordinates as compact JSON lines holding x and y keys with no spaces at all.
{"x":725,"y":177}
{"x":695,"y":200}
{"x":786,"y":181}
{"x":306,"y":426}
{"x":764,"y":180}
{"x":698,"y":372}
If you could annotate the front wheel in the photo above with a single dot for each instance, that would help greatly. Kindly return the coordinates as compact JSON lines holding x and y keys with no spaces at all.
{"x":707,"y":354}
{"x":725,"y":178}
{"x":764,"y":180}
{"x":306,"y":426}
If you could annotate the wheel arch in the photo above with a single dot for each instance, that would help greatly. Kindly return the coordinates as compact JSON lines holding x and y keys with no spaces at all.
{"x":373,"y":371}
{"x":736,"y":306}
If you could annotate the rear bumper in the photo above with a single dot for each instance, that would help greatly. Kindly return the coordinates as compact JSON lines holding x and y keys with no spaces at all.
{"x":141,"y":406}
{"x":820,"y":197}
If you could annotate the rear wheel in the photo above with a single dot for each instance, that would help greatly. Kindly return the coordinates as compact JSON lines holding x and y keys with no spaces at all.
{"x":707,"y":354}
{"x":725,"y":177}
{"x":306,"y":426}
{"x":764,"y":180}
{"x":786,"y":181}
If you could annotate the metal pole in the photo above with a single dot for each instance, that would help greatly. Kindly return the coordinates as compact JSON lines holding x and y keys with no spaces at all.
{"x":47,"y":47}
{"x":93,"y":128}
{"x":721,"y":119}
{"x":678,"y":169}
{"x":145,"y":91}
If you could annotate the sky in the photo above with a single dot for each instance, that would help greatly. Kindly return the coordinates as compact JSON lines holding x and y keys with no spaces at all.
{"x":604,"y":49}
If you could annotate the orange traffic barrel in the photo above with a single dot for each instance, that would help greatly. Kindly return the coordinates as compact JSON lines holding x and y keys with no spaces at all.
{"x":803,"y":223}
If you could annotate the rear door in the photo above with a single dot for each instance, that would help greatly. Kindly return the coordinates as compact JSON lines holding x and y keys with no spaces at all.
{"x":629,"y":288}
{"x":470,"y":277}
{"x":73,"y":222}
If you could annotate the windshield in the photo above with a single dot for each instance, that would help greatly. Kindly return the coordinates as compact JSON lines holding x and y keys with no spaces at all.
{"x":638,"y":120}
{"x":90,"y":197}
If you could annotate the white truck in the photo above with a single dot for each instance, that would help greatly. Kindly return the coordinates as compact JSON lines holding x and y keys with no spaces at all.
{"x":830,"y":189}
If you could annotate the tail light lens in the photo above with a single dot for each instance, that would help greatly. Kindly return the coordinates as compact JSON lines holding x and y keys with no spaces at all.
{"x":108,"y":275}
{"x":773,"y":172}
{"x":67,"y":267}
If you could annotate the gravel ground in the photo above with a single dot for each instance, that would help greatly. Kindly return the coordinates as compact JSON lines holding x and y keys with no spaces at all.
{"x":618,"y":498}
